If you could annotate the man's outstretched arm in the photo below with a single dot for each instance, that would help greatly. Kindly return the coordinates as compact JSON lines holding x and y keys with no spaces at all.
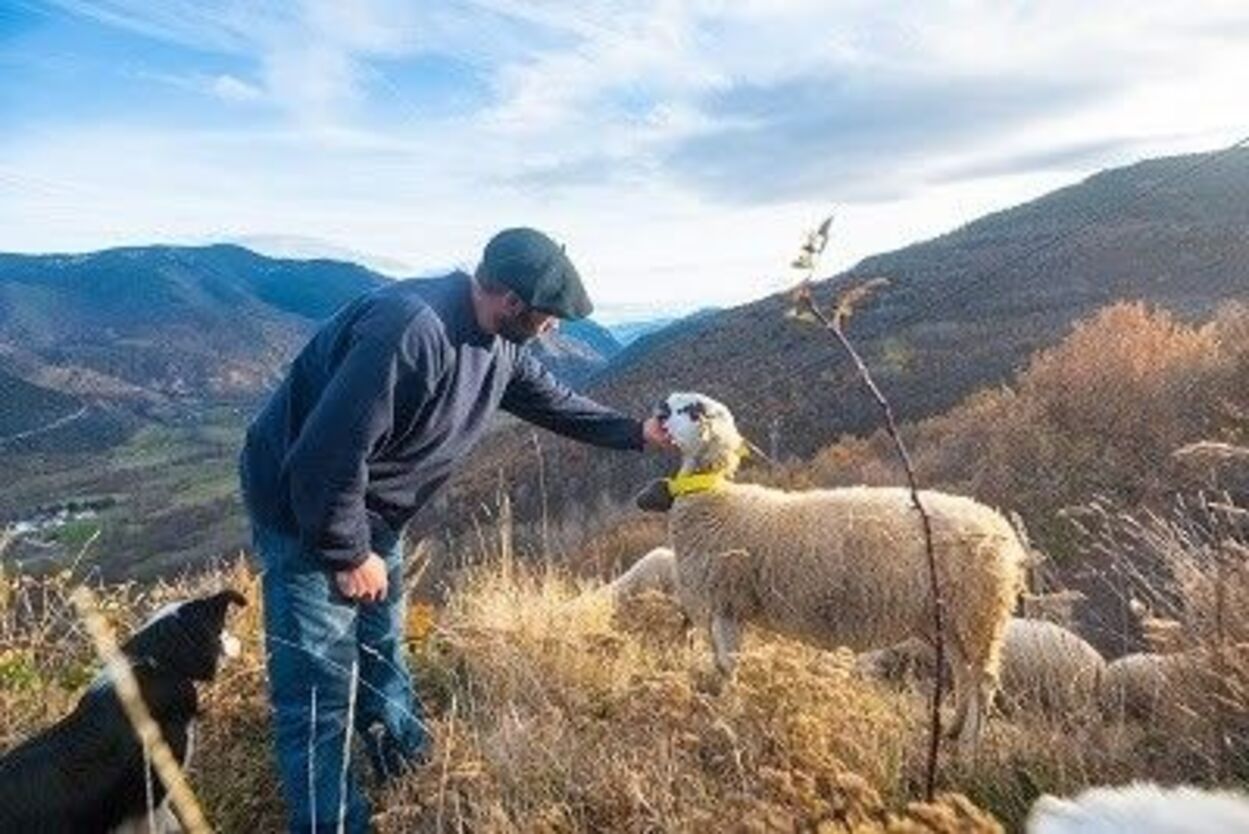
{"x":536,"y":396}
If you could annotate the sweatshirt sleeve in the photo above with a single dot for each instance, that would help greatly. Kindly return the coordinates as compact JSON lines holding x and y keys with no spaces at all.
{"x":534,"y":395}
{"x":327,"y":464}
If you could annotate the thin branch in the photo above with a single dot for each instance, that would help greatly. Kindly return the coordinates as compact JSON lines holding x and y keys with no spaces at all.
{"x":806,"y":306}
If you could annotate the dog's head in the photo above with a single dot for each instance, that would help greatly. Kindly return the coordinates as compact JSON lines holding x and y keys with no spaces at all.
{"x":704,"y":430}
{"x":187,"y":637}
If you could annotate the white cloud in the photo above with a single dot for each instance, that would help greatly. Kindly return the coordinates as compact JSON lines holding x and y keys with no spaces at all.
{"x":309,"y":53}
{"x":678,"y":147}
{"x":229,"y":88}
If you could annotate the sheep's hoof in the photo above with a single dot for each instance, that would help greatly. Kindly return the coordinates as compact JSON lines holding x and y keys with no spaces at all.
{"x":710,"y":682}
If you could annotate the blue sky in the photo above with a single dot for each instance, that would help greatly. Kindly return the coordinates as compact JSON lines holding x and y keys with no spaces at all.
{"x":680,"y":149}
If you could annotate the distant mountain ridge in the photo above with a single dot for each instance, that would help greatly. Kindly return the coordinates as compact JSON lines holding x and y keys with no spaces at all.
{"x":628,"y":332}
{"x":960,"y":312}
{"x":94,"y":346}
{"x":966,"y":308}
{"x":166,"y":322}
{"x":144,"y":328}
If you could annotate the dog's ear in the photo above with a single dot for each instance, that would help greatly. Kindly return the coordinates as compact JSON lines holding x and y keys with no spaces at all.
{"x":225,"y":598}
{"x":654,"y":497}
{"x":229,"y":597}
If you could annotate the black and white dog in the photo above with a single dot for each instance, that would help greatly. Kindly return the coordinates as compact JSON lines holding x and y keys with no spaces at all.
{"x":88,"y":772}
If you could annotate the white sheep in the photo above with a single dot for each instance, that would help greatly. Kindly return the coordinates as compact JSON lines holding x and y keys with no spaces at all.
{"x":1149,"y":687}
{"x":1044,"y":667}
{"x":1138,"y":685}
{"x":835,"y":567}
{"x":654,"y":571}
{"x":1141,"y":809}
{"x":1050,"y":668}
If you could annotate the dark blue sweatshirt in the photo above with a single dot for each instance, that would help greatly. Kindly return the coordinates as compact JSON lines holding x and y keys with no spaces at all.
{"x":383,"y":402}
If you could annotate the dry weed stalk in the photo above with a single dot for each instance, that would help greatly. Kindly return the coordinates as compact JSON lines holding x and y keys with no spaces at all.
{"x":181,"y":796}
{"x":806,"y":307}
{"x":1187,"y":574}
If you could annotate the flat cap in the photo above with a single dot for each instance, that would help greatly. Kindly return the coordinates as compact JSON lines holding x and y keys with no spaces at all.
{"x":538,"y":270}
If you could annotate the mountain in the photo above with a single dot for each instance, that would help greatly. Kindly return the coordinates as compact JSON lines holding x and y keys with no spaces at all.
{"x":152,"y":325}
{"x":149,"y":328}
{"x":128,"y":375}
{"x":960,"y":312}
{"x":577,"y":350}
{"x":629,"y":332}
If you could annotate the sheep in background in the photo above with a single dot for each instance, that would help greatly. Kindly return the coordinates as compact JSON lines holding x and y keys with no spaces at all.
{"x":899,"y":664}
{"x":1044,"y":666}
{"x":1175,"y":678}
{"x":1141,"y":809}
{"x":644,"y":599}
{"x":1055,"y":606}
{"x":835,"y":567}
{"x":1197,"y":683}
{"x":654,"y":571}
{"x":1140,"y":685}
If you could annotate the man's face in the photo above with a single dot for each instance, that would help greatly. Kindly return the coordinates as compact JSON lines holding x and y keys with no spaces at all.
{"x":520,"y":323}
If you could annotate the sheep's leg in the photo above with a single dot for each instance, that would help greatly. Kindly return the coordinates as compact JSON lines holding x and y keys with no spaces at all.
{"x":983,"y":686}
{"x":963,"y":691}
{"x":726,"y":634}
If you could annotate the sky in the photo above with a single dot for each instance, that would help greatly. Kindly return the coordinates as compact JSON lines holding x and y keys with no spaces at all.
{"x":679,"y":150}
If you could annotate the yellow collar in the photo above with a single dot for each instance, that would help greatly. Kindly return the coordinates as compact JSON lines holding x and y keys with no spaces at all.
{"x":694,"y":483}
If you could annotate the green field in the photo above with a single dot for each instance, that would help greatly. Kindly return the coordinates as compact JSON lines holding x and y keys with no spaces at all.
{"x":174,"y":490}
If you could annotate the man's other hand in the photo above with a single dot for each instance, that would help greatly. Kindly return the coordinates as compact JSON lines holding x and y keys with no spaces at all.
{"x":655,"y":435}
{"x":366,"y":582}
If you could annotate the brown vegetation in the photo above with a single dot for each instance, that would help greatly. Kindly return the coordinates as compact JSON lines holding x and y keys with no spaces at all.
{"x":1099,"y":414}
{"x":554,"y":713}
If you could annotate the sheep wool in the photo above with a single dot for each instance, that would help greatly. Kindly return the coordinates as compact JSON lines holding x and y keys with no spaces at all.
{"x":1141,"y":809}
{"x":654,"y":571}
{"x":839,"y":567}
{"x":848,"y":567}
{"x":1045,"y":667}
{"x":1140,"y":686}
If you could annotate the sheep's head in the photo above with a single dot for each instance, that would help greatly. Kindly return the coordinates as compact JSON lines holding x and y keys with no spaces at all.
{"x":704,"y":430}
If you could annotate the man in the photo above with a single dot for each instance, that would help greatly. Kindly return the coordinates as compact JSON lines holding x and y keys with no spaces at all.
{"x":370,"y":421}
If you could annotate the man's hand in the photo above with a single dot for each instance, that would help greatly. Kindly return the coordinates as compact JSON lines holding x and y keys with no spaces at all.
{"x":655,"y":435}
{"x":366,"y":582}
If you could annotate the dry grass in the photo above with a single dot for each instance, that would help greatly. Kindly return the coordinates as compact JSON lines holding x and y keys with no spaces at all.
{"x":1189,"y":570}
{"x":552,"y":713}
{"x":557,"y":716}
{"x":1100,"y":413}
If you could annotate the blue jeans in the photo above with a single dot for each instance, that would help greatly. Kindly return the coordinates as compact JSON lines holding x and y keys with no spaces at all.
{"x":315,"y":640}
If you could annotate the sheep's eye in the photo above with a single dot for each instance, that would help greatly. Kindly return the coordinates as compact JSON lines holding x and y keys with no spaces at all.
{"x":695,"y":411}
{"x":662,"y":410}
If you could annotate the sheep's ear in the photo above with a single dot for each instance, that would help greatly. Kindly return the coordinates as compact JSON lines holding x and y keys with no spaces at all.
{"x":749,"y":452}
{"x":654,"y":497}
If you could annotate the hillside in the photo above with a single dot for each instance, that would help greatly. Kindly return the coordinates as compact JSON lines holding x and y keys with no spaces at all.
{"x":552,"y":710}
{"x":631,"y":331}
{"x":130,"y":374}
{"x":578,"y":350}
{"x":156,"y":325}
{"x":961,"y":312}
{"x":171,"y":322}
{"x":132,"y":371}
